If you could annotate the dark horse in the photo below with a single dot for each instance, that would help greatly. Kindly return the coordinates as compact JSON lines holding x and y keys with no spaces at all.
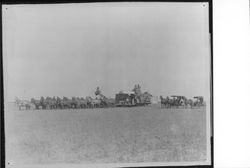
{"x":37,"y":103}
{"x":164,"y":102}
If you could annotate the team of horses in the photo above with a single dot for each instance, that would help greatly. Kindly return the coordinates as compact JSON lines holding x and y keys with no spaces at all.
{"x":89,"y":102}
{"x":182,"y":101}
{"x":65,"y":103}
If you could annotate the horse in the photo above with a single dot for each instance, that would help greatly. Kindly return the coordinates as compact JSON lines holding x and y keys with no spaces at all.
{"x":59,"y":103}
{"x":110,"y":102}
{"x":50,"y":103}
{"x":199,"y":104}
{"x":163,"y":102}
{"x":79,"y":102}
{"x":171,"y":102}
{"x":93,"y":103}
{"x":23,"y":103}
{"x":189,"y":103}
{"x":66,"y":103}
{"x":174,"y":102}
{"x":75,"y":103}
{"x":89,"y":102}
{"x":37,"y":103}
{"x":107,"y":102}
{"x":42,"y":102}
{"x":97,"y":103}
{"x":83,"y":103}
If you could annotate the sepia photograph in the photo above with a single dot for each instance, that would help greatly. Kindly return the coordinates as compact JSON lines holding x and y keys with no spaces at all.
{"x":114,"y":84}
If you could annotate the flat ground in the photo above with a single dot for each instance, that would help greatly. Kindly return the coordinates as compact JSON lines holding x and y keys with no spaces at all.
{"x":111,"y":135}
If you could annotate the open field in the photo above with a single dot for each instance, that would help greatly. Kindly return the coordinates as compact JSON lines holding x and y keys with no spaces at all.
{"x":111,"y":135}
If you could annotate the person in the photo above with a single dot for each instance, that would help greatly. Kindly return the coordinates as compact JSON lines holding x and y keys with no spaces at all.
{"x":97,"y":92}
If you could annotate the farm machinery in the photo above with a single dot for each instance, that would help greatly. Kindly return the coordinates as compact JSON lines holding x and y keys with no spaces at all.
{"x":104,"y":101}
{"x":133,"y":98}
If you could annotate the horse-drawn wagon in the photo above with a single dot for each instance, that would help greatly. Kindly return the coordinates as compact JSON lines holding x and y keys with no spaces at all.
{"x":125,"y":99}
{"x":133,"y":98}
{"x":199,"y":101}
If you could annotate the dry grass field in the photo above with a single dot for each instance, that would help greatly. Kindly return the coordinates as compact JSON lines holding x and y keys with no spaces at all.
{"x":111,"y":135}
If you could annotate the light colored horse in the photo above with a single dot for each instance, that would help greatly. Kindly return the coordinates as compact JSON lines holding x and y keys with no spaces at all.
{"x":93,"y":103}
{"x":23,"y":104}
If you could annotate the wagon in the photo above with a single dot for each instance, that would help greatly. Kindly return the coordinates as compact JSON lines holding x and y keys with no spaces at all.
{"x":125,"y":99}
{"x":199,"y":101}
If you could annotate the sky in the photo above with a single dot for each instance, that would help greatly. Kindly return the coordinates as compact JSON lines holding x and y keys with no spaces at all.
{"x":70,"y":49}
